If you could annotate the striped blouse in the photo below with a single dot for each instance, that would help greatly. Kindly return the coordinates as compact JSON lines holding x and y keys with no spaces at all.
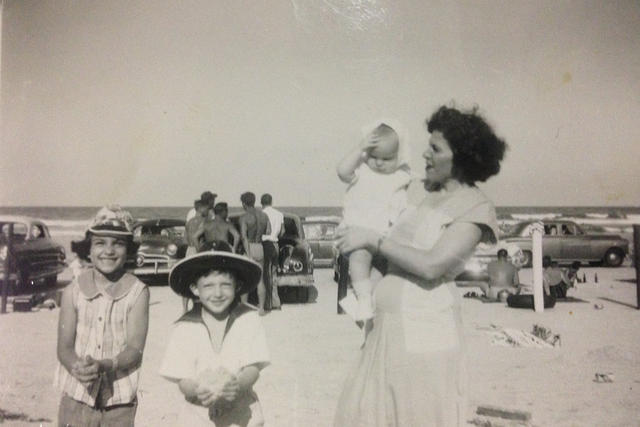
{"x":101,"y":332}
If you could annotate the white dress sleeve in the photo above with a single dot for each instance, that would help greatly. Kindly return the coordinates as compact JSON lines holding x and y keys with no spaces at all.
{"x":179,"y":360}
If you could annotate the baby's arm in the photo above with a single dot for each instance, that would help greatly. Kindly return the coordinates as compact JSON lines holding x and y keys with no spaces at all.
{"x":348,"y":165}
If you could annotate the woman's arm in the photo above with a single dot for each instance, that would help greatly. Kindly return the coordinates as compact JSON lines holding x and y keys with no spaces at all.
{"x":454,"y":245}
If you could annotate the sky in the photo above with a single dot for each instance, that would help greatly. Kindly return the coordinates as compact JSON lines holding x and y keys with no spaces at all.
{"x":148,"y":103}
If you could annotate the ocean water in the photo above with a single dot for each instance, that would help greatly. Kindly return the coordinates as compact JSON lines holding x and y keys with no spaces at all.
{"x":73,"y":220}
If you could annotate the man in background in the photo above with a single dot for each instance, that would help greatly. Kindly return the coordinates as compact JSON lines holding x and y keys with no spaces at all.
{"x":220,"y":234}
{"x":253,"y":225}
{"x":271,"y":251}
{"x":207,"y":198}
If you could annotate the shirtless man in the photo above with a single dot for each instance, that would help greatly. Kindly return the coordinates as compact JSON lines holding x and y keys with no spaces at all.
{"x":194,"y":228}
{"x":253,"y":225}
{"x":218,"y":231}
{"x":503,"y":278}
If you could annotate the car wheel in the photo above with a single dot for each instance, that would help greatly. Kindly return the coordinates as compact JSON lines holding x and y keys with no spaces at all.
{"x":613,"y":257}
{"x":527,"y":259}
{"x":302,"y":294}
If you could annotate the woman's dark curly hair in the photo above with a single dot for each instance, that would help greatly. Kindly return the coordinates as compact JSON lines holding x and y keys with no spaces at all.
{"x":477,"y":151}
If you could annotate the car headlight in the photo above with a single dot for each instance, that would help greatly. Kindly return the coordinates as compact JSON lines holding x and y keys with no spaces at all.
{"x":140,"y":260}
{"x":172,"y":249}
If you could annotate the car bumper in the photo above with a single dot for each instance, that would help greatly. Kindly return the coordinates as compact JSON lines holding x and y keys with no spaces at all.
{"x":151,"y":270}
{"x":48,"y":272}
{"x":296,"y":280}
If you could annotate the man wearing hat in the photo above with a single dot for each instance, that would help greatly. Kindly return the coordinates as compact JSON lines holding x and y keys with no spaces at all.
{"x":217,"y":349}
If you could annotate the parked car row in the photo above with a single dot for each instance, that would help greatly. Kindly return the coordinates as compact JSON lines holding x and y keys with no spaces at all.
{"x":306,"y":244}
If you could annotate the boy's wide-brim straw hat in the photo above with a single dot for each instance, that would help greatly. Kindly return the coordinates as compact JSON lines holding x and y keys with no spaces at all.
{"x":187,"y":271}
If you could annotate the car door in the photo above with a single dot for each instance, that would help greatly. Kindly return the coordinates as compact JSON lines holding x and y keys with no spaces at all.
{"x":551,"y":240}
{"x":574,"y":246}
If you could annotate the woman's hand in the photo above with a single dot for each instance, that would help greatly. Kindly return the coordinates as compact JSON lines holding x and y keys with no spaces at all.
{"x":352,"y":238}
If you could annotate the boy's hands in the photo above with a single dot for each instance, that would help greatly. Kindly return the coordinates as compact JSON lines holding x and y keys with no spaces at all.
{"x":216,"y":385}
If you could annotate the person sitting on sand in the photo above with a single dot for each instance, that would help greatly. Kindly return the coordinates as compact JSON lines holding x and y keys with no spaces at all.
{"x":524,"y":296}
{"x":218,"y":232}
{"x":553,"y":277}
{"x":217,"y":350}
{"x":503,"y":278}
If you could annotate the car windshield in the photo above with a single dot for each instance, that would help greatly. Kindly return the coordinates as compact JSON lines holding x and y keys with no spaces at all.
{"x":146,"y":231}
{"x":290,"y":227}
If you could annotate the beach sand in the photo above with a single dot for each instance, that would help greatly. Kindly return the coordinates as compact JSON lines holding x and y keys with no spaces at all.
{"x":312,"y":349}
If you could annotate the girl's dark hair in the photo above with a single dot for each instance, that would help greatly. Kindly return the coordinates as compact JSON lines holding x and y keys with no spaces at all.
{"x":82,"y":248}
{"x":477,"y":151}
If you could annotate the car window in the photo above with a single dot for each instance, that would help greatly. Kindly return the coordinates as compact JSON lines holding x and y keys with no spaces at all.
{"x":19,"y":231}
{"x":329,"y":231}
{"x":312,"y":231}
{"x":37,"y":232}
{"x":568,"y":230}
{"x":550,"y":230}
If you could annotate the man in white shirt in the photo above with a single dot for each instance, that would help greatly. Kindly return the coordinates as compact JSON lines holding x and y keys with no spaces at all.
{"x":271,"y":250}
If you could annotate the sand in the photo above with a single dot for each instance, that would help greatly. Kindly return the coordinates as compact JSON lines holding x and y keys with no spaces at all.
{"x":312,"y":349}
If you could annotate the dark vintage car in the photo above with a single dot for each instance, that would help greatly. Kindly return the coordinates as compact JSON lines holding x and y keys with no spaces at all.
{"x":320,"y":233}
{"x":565,"y":241}
{"x":295,"y":263}
{"x":162,"y":244}
{"x":34,"y":256}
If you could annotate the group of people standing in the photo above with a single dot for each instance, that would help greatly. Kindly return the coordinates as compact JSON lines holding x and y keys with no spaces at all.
{"x":259,"y":230}
{"x":411,"y":369}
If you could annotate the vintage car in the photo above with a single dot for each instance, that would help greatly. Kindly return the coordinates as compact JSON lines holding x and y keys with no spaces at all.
{"x":162,"y":244}
{"x":34,"y":256}
{"x":295,"y":263}
{"x":565,"y":241}
{"x":320,"y":232}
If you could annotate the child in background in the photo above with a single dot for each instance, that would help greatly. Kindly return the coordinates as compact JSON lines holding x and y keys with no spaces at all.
{"x":377,"y":174}
{"x":102,"y":329}
{"x":217,"y":349}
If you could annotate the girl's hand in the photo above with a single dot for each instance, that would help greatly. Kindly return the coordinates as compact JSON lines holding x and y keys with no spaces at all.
{"x":351,"y":238}
{"x":231,"y":389}
{"x":86,"y":370}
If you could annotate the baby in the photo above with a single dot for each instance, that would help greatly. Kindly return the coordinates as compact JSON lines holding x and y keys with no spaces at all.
{"x":377,"y":174}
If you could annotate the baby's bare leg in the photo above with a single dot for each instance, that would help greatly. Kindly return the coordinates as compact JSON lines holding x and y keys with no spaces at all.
{"x":360,"y":271}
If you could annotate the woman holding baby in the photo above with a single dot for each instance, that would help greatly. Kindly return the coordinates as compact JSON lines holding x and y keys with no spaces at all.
{"x":411,"y":370}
